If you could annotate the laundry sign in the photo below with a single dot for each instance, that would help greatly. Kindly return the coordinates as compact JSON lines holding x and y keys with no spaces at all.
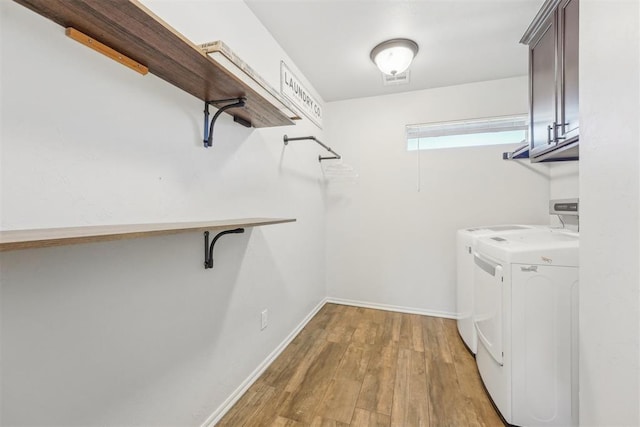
{"x":292,"y":89}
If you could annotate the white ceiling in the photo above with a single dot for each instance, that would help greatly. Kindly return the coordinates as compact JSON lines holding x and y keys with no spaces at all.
{"x":461,"y":41}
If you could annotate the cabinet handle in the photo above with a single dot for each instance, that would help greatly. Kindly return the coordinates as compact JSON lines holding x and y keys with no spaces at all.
{"x":549,"y":140}
{"x":555,"y":131}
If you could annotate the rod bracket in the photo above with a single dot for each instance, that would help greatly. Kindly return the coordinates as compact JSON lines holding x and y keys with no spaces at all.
{"x":208,"y":125}
{"x":321,"y":158}
{"x":208,"y":248}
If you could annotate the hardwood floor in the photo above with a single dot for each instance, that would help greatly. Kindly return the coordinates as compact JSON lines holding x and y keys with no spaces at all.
{"x":354,"y":366}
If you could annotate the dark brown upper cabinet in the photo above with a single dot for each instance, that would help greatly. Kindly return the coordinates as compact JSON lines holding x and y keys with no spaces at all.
{"x":552,"y":38}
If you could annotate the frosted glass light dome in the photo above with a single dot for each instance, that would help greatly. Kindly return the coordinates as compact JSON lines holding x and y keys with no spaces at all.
{"x":394,"y":56}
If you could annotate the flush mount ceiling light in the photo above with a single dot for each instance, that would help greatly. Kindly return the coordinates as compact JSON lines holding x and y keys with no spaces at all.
{"x":394,"y":56}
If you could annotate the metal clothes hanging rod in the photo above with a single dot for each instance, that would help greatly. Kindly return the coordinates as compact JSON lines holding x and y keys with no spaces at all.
{"x":335,"y":156}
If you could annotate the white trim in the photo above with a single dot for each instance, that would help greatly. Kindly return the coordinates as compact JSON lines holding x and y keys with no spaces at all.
{"x":237,"y":394}
{"x":387,"y":307}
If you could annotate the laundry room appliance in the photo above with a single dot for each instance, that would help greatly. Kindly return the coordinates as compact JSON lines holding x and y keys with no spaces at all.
{"x":526,"y":318}
{"x":465,"y":241}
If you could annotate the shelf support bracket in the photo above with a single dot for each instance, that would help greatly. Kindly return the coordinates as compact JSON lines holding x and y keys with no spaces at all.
{"x":208,"y":248}
{"x":208,"y":125}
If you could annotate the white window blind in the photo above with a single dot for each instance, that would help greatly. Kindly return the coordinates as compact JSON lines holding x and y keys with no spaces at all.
{"x":468,"y":133}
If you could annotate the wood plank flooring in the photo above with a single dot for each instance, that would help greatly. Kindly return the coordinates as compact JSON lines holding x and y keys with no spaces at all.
{"x":354,"y":366}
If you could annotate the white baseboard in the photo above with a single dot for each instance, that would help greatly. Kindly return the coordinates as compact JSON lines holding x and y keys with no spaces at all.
{"x":387,"y":307}
{"x":237,"y":394}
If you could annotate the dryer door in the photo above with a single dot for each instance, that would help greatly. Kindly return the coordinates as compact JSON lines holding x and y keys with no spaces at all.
{"x":488,"y":305}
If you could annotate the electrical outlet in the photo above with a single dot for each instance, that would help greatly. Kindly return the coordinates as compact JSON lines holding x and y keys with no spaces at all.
{"x":264,"y":318}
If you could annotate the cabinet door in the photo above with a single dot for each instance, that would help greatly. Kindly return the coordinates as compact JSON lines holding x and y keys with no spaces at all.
{"x":568,"y":82}
{"x":542,"y":62}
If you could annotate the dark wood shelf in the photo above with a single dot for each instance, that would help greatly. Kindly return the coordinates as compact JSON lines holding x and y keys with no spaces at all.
{"x":46,"y":237}
{"x":131,"y":29}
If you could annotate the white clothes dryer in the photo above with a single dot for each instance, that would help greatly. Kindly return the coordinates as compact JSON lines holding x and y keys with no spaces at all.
{"x":525,"y":315}
{"x":465,"y":240}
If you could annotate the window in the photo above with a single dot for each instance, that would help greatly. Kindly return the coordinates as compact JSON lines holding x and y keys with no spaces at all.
{"x":468,"y":133}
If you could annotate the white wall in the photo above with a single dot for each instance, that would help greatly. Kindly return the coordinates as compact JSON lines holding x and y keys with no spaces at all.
{"x":564,"y":180}
{"x":609,"y":196}
{"x":390,"y":244}
{"x":137,"y":332}
{"x":563,"y":183}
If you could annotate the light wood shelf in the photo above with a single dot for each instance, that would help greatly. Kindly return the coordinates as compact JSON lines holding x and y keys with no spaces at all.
{"x":46,"y":237}
{"x":131,"y":29}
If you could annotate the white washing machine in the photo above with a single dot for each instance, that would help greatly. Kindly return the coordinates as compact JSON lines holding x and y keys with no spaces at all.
{"x":526,"y":318}
{"x":466,"y":239}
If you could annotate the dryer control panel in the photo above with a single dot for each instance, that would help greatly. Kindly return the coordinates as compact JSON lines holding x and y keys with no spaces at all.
{"x":568,"y":212}
{"x":564,"y":207}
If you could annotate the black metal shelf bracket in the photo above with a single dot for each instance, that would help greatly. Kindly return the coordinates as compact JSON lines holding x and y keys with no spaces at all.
{"x":208,"y":248}
{"x":208,"y":125}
